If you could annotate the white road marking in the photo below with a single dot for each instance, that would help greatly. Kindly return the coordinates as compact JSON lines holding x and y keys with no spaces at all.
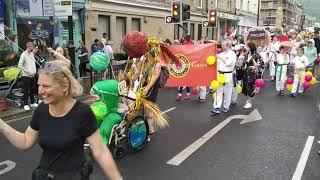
{"x":303,"y":159}
{"x":9,"y":166}
{"x":184,"y":154}
{"x":19,"y":119}
{"x":168,"y":110}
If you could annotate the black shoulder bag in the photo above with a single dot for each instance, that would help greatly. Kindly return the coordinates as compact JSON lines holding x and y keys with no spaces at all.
{"x":41,"y":174}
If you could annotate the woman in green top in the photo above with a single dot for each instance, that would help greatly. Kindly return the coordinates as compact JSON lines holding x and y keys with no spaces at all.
{"x":311,"y":52}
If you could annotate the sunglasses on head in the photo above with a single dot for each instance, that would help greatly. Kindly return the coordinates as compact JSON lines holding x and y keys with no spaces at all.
{"x":53,"y":67}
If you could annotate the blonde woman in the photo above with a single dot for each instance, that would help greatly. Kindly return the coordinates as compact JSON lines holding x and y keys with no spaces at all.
{"x":61,"y":125}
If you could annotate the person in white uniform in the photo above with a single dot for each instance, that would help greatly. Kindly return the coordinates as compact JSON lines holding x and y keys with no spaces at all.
{"x":300,"y":63}
{"x":226,"y":64}
{"x":282,"y":60}
{"x":273,"y":49}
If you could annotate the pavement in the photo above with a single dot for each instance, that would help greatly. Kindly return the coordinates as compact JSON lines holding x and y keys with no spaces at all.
{"x":280,"y":146}
{"x":14,"y":113}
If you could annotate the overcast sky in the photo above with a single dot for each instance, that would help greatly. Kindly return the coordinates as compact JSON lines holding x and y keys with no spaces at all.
{"x":311,"y":7}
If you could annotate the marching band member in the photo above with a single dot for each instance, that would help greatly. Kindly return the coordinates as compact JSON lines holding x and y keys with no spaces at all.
{"x":282,"y":60}
{"x":226,"y":63}
{"x":300,"y":63}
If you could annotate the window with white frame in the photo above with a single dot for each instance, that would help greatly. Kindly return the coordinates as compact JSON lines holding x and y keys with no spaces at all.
{"x":135,"y":24}
{"x":200,"y":4}
{"x":104,"y":25}
{"x":120,"y":28}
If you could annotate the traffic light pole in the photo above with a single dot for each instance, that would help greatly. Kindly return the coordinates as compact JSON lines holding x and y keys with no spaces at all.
{"x":71,"y":47}
{"x":215,"y":33}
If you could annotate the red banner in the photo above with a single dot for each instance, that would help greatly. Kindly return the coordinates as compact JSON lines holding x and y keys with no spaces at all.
{"x":193,"y":70}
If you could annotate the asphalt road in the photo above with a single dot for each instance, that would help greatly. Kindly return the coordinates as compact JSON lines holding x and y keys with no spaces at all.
{"x":269,"y":149}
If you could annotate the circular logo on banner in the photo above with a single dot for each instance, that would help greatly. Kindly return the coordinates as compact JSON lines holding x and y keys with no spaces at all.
{"x":34,"y":1}
{"x":179,"y":72}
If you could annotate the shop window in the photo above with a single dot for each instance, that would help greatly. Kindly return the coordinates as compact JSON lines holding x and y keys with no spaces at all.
{"x":120,"y":28}
{"x":104,"y":25}
{"x":135,"y":24}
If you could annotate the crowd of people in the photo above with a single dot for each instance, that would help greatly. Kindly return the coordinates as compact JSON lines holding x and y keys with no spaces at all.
{"x":242,"y":63}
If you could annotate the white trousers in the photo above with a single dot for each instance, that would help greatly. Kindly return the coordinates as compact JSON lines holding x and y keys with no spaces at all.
{"x":225,"y":93}
{"x":202,"y":92}
{"x":280,"y":77}
{"x":297,"y":82}
{"x":272,"y":68}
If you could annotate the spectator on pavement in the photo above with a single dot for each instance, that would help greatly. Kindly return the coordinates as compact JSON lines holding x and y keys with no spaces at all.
{"x":63,"y":153}
{"x":60,"y":54}
{"x":104,"y":39}
{"x":96,"y":46}
{"x":108,"y":50}
{"x":83,"y":56}
{"x":28,"y":66}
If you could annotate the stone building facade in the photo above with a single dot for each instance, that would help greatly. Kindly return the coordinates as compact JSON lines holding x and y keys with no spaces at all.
{"x":118,"y":17}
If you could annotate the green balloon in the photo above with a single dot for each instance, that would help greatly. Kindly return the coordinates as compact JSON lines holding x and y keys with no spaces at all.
{"x":99,"y":61}
{"x":108,"y":92}
{"x":107,"y":124}
{"x":100,"y":111}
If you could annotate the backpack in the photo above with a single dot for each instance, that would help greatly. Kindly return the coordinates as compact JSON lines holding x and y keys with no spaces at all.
{"x":164,"y":75}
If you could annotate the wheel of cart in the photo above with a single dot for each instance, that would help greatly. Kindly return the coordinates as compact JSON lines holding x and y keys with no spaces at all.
{"x":132,"y":134}
{"x":137,"y":131}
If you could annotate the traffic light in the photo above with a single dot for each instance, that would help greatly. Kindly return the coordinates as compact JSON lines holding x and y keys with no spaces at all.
{"x":176,"y":12}
{"x":185,"y":12}
{"x":212,"y":18}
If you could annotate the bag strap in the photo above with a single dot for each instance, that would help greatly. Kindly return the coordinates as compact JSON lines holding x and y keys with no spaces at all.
{"x":56,"y":158}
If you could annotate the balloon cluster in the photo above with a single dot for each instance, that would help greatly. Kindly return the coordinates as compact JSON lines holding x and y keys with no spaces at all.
{"x":215,"y":84}
{"x":289,"y":84}
{"x":309,"y":80}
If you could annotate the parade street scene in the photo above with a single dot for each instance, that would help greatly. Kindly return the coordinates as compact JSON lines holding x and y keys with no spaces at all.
{"x":159,"y":89}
